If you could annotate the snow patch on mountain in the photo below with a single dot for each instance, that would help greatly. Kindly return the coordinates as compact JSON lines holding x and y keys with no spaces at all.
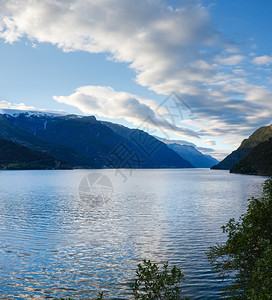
{"x":31,"y":113}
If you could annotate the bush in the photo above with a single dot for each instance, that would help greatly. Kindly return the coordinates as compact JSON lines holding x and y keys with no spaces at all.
{"x":247,"y":255}
{"x":153,"y":283}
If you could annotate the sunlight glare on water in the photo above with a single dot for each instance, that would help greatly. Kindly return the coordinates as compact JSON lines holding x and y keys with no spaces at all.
{"x":75,"y":233}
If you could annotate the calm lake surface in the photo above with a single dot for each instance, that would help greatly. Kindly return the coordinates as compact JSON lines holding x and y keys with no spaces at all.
{"x":74,"y":233}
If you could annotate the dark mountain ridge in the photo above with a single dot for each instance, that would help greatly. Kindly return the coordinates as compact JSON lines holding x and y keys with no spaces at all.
{"x":148,"y":146}
{"x":260,"y":135}
{"x":257,"y":162}
{"x":84,"y":142}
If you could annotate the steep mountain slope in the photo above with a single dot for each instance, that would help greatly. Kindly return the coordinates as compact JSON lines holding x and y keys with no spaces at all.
{"x":12,"y":128}
{"x":260,"y":135}
{"x":195,"y":157}
{"x":13,"y":156}
{"x":258,"y":161}
{"x":86,"y":142}
{"x":150,"y":148}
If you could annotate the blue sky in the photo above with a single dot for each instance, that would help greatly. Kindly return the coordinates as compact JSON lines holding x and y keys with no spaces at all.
{"x":119,"y":60}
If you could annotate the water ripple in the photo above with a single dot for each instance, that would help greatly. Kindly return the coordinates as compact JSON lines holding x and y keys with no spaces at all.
{"x":54,"y":243}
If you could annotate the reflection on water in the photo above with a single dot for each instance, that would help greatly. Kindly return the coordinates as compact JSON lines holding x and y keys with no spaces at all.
{"x":74,"y":233}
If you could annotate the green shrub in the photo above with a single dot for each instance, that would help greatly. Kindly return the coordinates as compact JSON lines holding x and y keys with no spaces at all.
{"x":153,"y":283}
{"x":246,"y":257}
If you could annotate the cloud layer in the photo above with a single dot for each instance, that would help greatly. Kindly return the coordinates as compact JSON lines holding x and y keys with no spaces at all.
{"x":6,"y":106}
{"x":20,"y":106}
{"x":105,"y":102}
{"x":170,"y":49}
{"x":263,"y":60}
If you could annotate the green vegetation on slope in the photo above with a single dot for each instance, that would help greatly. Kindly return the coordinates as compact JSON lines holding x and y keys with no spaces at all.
{"x":247,"y":255}
{"x":258,"y":161}
{"x":260,"y":135}
{"x":14,"y":157}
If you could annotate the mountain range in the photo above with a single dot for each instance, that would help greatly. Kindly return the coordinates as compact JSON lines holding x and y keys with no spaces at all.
{"x":194,"y":156}
{"x":190,"y":152}
{"x":253,"y":155}
{"x":85,"y":142}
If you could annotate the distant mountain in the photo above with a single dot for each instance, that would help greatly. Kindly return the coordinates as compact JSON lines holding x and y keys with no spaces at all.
{"x":260,"y":135}
{"x":195,"y":157}
{"x":258,"y":161}
{"x":13,"y":156}
{"x":84,"y":142}
{"x":189,"y":152}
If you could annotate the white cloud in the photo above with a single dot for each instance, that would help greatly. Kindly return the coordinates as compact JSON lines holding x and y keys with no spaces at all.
{"x":20,"y":106}
{"x":105,"y":102}
{"x":5,"y":105}
{"x":169,"y":50}
{"x":160,"y":43}
{"x":262,"y":60}
{"x":229,"y":60}
{"x":209,"y":142}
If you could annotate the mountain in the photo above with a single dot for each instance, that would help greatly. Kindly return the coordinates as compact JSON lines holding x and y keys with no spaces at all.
{"x":260,"y":135}
{"x":257,"y":162}
{"x":13,"y":156}
{"x":149,"y":147}
{"x":194,"y":156}
{"x":189,"y":152}
{"x":84,"y":142}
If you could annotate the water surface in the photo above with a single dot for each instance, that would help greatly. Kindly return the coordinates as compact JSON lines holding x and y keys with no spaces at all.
{"x":63,"y":234}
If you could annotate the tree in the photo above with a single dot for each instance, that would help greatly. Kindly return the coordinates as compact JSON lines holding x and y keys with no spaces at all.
{"x":246,"y":257}
{"x":153,"y":283}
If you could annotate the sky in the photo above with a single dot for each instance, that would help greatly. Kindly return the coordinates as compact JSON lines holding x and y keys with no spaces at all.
{"x":199,"y":71}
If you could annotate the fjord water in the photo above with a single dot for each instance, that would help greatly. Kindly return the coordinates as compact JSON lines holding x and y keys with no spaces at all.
{"x":74,"y":233}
